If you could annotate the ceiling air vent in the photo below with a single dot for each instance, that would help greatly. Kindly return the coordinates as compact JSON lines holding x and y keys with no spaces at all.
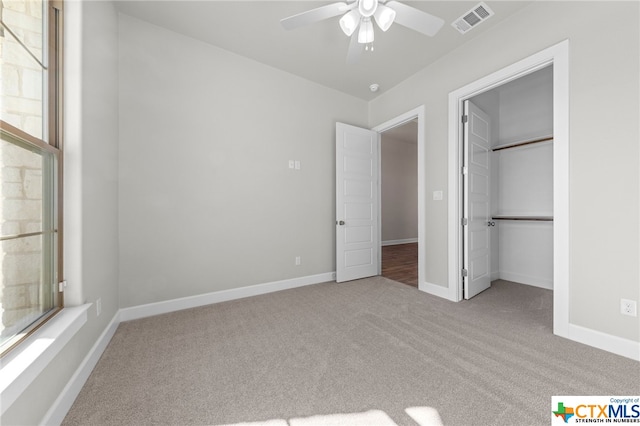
{"x":472,"y":18}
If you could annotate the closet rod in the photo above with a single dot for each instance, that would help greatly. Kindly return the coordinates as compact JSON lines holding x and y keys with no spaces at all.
{"x":529,"y":218}
{"x":550,"y":138}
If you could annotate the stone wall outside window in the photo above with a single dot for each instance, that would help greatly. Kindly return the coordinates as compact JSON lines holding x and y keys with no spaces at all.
{"x":21,"y":202}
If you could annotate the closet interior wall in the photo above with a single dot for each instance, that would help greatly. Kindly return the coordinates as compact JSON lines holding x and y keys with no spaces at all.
{"x":521,"y":178}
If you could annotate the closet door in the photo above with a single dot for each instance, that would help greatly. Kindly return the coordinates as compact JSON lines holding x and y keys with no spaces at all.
{"x":476,"y":201}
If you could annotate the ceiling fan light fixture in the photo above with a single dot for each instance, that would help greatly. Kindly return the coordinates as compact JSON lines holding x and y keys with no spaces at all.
{"x":384,"y":17}
{"x":365,"y":35}
{"x":367,"y":7}
{"x":349,"y":22}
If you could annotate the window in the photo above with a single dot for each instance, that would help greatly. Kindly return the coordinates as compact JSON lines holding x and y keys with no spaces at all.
{"x":30,"y":166}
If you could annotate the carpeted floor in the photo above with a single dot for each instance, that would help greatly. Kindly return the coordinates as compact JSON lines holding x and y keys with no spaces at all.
{"x":371,"y":345}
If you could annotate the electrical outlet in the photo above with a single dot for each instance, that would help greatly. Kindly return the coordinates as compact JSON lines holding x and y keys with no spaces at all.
{"x":628,"y":307}
{"x":98,"y":306}
{"x":298,"y":261}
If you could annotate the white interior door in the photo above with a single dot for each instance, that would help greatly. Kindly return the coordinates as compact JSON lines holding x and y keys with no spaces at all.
{"x":476,"y":219}
{"x":357,"y":239}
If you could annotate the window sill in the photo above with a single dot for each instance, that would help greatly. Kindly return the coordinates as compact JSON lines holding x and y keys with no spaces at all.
{"x":23,"y":365}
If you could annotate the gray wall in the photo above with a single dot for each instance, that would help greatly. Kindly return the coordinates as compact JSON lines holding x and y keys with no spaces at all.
{"x":526,"y":107}
{"x":207,"y":201}
{"x":604,"y":157}
{"x":91,"y":201}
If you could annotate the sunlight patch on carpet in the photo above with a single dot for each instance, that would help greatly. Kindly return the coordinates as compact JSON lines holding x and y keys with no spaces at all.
{"x":424,"y":416}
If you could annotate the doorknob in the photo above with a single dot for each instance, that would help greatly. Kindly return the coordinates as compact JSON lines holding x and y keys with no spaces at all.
{"x":340,"y":222}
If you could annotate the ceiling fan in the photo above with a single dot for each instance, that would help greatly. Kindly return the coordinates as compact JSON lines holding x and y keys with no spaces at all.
{"x":362,"y":13}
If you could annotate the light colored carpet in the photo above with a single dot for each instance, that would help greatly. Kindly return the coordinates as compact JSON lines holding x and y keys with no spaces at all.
{"x":373,"y":346}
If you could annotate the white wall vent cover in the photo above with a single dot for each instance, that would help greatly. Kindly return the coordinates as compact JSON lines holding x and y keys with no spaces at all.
{"x":473,"y":17}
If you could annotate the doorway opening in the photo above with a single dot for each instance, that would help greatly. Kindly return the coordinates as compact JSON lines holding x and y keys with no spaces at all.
{"x":556,"y":56}
{"x":411,"y":123}
{"x":508,"y":184}
{"x":399,"y":203}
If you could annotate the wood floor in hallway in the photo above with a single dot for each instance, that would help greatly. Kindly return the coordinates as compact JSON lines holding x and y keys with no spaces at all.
{"x":400,"y":263}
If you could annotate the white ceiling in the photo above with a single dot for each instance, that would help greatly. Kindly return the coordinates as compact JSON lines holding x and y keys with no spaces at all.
{"x":317,"y":52}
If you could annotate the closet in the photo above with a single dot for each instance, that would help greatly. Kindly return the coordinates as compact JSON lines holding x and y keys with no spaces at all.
{"x":521,"y":178}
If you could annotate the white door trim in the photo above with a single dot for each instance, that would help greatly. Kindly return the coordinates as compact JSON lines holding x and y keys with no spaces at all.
{"x":419,"y":114}
{"x":558,"y":55}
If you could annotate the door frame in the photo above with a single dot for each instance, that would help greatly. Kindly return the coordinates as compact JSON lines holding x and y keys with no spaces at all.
{"x":419,"y":114}
{"x":558,"y":56}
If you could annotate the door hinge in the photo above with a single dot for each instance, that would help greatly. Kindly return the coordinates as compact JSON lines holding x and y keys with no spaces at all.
{"x":465,"y":118}
{"x":464,"y":272}
{"x":464,"y":221}
{"x":464,"y":170}
{"x":61,"y":286}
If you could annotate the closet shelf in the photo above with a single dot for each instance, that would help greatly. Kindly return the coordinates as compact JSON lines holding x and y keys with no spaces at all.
{"x":530,"y":218}
{"x":522,"y":143}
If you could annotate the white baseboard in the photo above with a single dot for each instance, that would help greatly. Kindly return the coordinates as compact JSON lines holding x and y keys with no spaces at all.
{"x":614,"y":344}
{"x":397,"y":242}
{"x":143,"y":311}
{"x":527,"y":279}
{"x":61,"y":406}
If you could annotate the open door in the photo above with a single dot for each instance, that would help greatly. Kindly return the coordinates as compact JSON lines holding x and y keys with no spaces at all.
{"x":357,"y":239}
{"x":475,"y":223}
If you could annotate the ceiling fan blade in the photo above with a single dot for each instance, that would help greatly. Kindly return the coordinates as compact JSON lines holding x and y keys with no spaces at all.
{"x":355,"y":49}
{"x":415,"y":19}
{"x":315,"y":15}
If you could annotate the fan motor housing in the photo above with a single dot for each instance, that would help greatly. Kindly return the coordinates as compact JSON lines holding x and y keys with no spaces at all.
{"x":367,"y":7}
